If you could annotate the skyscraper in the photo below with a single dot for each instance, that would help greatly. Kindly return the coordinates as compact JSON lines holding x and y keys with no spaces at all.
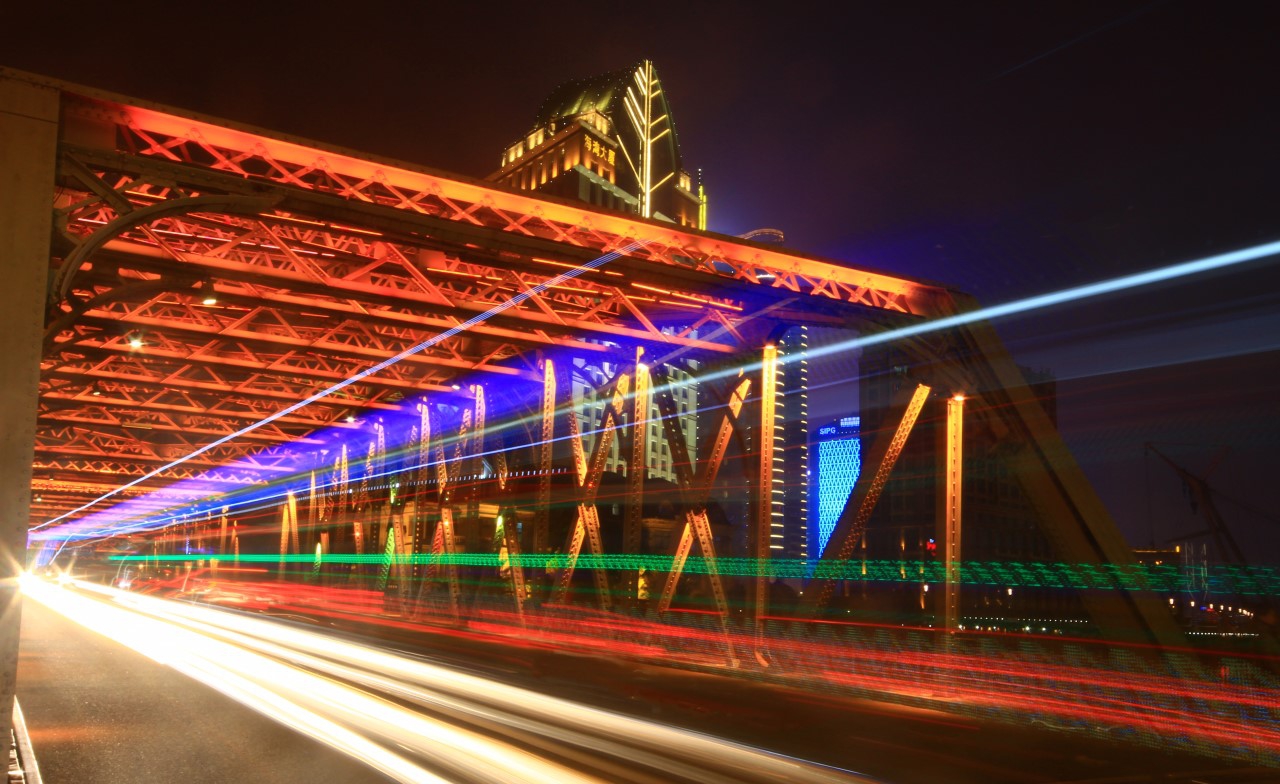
{"x":659,"y":460}
{"x":610,"y":140}
{"x":1001,"y":524}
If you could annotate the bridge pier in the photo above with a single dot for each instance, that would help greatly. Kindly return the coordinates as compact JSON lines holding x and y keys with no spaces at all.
{"x":28,"y":155}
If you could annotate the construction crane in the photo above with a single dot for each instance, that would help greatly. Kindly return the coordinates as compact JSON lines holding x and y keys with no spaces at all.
{"x":1201,"y":496}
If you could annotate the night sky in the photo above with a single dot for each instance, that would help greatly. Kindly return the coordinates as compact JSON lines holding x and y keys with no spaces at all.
{"x":1005,"y":149}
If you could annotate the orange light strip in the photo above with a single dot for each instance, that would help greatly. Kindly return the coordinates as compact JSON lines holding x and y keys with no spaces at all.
{"x":354,"y":230}
{"x":690,"y":297}
{"x":454,"y":272}
{"x":651,"y":288}
{"x":327,"y":158}
{"x":614,"y":273}
{"x":294,"y":219}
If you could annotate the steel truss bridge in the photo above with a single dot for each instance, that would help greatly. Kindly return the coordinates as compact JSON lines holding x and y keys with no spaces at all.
{"x":179,"y":278}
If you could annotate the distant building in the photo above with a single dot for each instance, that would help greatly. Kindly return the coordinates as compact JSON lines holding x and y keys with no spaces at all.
{"x":585,"y":145}
{"x":837,"y":463}
{"x":659,"y":461}
{"x":999,"y":521}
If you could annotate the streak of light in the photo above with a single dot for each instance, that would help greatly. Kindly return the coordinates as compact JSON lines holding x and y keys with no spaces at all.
{"x":1227,"y":579}
{"x":245,"y":658}
{"x":1061,"y":297}
{"x":300,"y":699}
{"x":179,"y":649}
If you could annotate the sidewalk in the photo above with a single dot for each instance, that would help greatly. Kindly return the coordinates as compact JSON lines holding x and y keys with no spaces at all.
{"x":22,"y":758}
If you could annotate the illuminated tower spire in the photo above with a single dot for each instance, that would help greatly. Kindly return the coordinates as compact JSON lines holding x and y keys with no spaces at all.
{"x":609,"y":140}
{"x":639,"y":105}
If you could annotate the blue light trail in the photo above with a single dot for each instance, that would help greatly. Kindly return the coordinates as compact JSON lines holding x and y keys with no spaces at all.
{"x":1061,"y":297}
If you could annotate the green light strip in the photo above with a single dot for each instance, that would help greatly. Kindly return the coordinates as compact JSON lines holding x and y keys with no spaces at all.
{"x":1250,"y":581}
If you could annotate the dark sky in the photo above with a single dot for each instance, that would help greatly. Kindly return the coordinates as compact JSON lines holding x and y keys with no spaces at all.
{"x":1006,"y":149}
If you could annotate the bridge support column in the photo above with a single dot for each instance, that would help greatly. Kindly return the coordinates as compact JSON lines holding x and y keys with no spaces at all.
{"x":28,"y":154}
{"x":952,"y":481}
{"x":762,"y":527}
{"x":637,"y":472}
{"x":545,"y":454}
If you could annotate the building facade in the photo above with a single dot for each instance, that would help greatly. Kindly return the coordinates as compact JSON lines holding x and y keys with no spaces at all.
{"x":609,"y":140}
{"x":589,"y":380}
{"x":999,"y":522}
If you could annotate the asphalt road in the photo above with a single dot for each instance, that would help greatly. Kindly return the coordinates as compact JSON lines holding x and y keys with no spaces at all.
{"x":100,"y":712}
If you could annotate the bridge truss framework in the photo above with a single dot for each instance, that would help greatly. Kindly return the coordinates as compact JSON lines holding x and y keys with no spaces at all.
{"x":196,"y":276}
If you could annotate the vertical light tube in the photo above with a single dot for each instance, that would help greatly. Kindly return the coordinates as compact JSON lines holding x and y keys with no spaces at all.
{"x":632,"y":524}
{"x":951,"y":511}
{"x":541,"y":529}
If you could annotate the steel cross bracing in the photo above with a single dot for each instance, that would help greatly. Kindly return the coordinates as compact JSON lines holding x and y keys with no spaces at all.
{"x":587,"y":525}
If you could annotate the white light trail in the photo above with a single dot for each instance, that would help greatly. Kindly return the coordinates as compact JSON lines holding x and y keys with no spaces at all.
{"x":280,"y":670}
{"x":194,"y":656}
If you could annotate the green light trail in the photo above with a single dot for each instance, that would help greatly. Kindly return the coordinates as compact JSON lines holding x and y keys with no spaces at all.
{"x":1245,"y":581}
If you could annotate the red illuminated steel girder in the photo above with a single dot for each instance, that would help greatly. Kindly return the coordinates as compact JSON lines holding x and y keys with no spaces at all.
{"x":53,"y":467}
{"x":73,"y":440}
{"x":243,"y":358}
{"x":555,"y":316}
{"x":335,"y":297}
{"x":198,"y":379}
{"x":404,"y":322}
{"x":165,"y":239}
{"x":70,"y":493}
{"x":343,"y":260}
{"x":215,"y":361}
{"x":133,"y":397}
{"x":106,"y":419}
{"x":261,"y":329}
{"x":254,"y":155}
